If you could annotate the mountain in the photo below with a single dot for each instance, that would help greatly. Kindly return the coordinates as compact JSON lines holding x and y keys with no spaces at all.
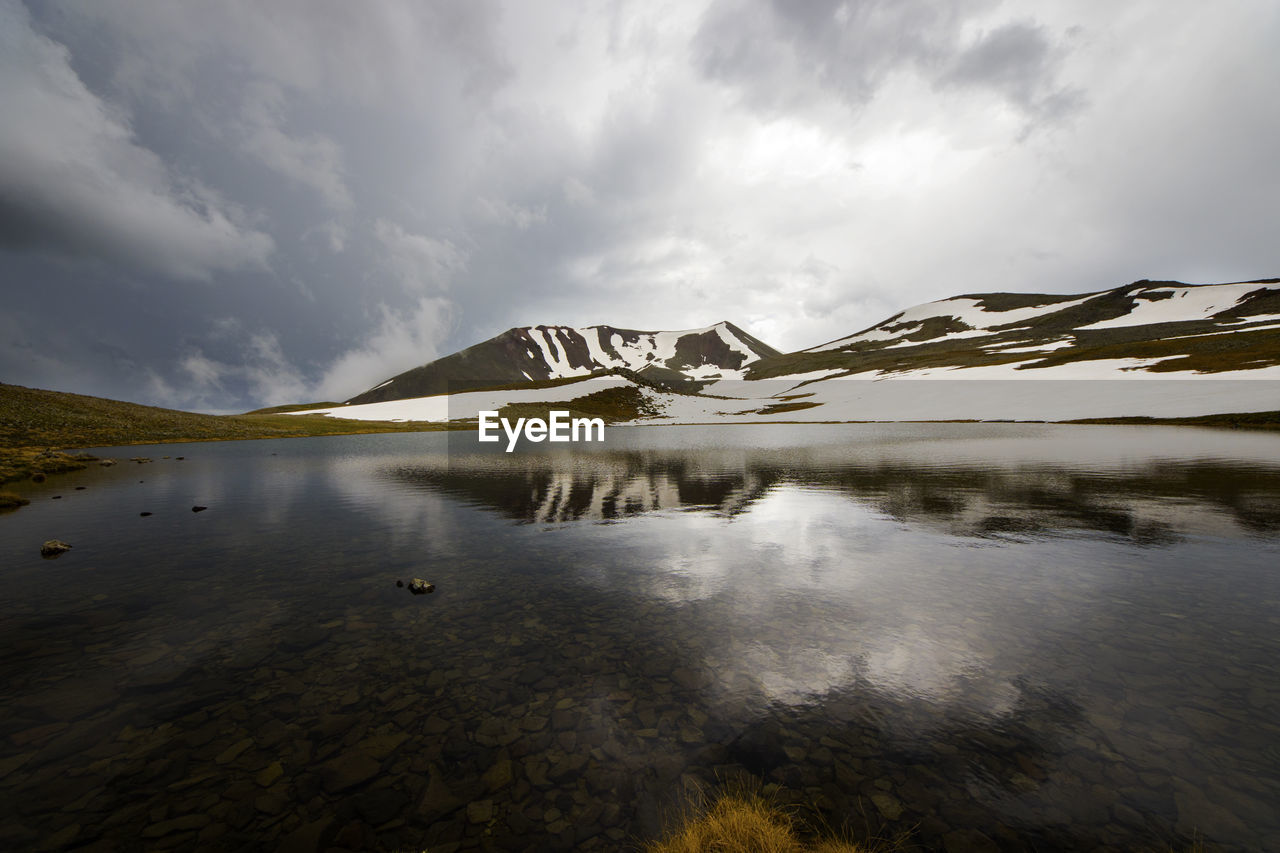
{"x":1157,"y":327}
{"x":541,"y":354}
{"x":1148,"y":330}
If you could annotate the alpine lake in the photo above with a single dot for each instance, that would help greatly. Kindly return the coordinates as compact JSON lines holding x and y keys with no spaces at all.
{"x":966,"y":637}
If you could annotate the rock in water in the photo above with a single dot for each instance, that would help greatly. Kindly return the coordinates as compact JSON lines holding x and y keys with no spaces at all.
{"x":199,"y":508}
{"x":418,"y":586}
{"x":53,"y":548}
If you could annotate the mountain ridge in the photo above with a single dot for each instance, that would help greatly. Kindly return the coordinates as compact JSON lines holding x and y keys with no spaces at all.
{"x":1029,"y":331}
{"x":539,"y":354}
{"x":1144,"y":326}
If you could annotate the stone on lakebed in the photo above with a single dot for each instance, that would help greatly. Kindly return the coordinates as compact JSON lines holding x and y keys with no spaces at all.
{"x":53,"y":548}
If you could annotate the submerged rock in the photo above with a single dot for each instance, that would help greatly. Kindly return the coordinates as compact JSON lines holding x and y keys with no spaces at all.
{"x":418,"y":586}
{"x":347,"y":771}
{"x":53,"y":548}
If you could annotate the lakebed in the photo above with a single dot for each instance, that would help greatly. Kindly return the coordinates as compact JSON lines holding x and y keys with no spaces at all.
{"x":992,"y":636}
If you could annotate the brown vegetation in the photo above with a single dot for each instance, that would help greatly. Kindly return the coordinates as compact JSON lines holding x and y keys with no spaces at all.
{"x":34,"y":419}
{"x":745,"y":823}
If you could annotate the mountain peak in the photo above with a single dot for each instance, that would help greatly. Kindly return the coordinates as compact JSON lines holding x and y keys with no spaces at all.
{"x":541,"y":353}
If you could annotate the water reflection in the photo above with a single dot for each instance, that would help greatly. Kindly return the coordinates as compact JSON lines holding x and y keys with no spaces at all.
{"x":1149,"y":497}
{"x":1057,"y":638}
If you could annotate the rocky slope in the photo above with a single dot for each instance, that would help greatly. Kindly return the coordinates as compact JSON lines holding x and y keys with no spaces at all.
{"x":532,"y":355}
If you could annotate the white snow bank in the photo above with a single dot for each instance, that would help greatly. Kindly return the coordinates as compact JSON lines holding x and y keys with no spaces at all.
{"x":1186,"y":303}
{"x":1003,"y":348}
{"x":444,"y":407}
{"x":966,"y":309}
{"x":992,"y":399}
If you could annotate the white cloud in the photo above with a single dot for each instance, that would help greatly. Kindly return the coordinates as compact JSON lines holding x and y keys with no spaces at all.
{"x":510,"y":214}
{"x":419,"y":262}
{"x":403,"y":339}
{"x":73,"y":179}
{"x":261,"y":373}
{"x":204,"y":374}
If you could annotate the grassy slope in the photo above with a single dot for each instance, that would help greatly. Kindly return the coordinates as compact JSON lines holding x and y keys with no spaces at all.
{"x":1237,"y":420}
{"x":32,"y":420}
{"x":1192,"y":345}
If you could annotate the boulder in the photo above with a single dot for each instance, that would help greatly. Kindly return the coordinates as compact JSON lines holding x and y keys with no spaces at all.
{"x":418,"y":586}
{"x":53,"y":548}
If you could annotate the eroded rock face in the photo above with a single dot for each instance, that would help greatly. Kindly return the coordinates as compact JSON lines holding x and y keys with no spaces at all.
{"x":53,"y":548}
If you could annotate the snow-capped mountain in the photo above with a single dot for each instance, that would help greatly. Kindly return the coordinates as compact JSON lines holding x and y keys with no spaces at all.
{"x":1216,"y":340}
{"x":1156,"y":327}
{"x":535,"y":354}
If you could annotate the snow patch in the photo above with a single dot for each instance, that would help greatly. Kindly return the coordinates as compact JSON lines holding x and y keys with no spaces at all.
{"x":965,"y":309}
{"x":554,"y":354}
{"x":465,"y":405}
{"x":1186,"y":303}
{"x":1003,"y":348}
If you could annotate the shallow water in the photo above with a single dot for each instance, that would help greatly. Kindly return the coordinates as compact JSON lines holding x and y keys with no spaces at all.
{"x":989,"y":636}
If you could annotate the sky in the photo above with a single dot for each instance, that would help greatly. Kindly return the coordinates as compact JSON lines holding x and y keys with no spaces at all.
{"x":220,"y":206}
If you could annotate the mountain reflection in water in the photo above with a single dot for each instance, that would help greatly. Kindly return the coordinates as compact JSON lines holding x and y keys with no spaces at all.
{"x":1151,"y":500}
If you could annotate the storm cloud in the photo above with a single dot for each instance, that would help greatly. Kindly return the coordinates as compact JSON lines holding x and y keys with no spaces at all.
{"x":247,"y":204}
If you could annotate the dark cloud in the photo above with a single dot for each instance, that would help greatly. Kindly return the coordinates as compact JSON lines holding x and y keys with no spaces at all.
{"x":1020,"y":62}
{"x":74,"y":180}
{"x":253,"y":203}
{"x":783,"y":55}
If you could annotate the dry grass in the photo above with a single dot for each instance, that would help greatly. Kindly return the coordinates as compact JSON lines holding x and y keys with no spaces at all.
{"x":744,"y":823}
{"x":35,"y":419}
{"x":1237,"y":420}
{"x":30,"y":463}
{"x":8,"y":500}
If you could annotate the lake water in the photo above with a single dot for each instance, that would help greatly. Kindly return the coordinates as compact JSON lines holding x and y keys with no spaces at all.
{"x":988,"y":636}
